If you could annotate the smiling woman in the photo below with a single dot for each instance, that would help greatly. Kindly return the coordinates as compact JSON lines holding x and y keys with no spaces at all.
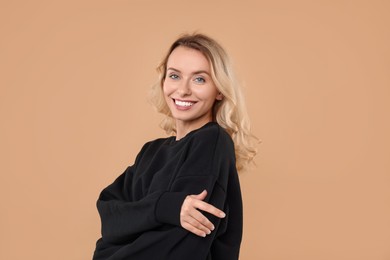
{"x":181,"y":199}
{"x":189,"y":90}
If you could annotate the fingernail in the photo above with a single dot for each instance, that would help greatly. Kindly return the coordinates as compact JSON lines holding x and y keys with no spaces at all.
{"x":203,"y":235}
{"x":212,"y":227}
{"x":222,"y":215}
{"x":208,"y":232}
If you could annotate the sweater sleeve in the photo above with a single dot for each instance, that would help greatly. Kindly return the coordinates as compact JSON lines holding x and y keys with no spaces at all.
{"x":123,"y":219}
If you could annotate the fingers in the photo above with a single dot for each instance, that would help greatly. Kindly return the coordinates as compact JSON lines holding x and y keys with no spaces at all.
{"x":199,"y":221}
{"x":199,"y":204}
{"x":206,"y":207}
{"x":193,"y":225}
{"x":193,"y":220}
{"x":194,"y":230}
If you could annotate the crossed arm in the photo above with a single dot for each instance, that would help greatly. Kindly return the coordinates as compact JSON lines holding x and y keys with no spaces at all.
{"x":124,"y":218}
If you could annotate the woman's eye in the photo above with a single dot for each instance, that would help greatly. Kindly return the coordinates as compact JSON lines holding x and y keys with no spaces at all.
{"x":200,"y":80}
{"x":174,"y":76}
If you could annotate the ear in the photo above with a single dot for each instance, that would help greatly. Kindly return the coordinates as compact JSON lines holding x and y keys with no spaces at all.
{"x":219,"y":96}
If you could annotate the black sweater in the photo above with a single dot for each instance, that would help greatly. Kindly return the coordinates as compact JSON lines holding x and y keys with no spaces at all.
{"x":140,"y":210}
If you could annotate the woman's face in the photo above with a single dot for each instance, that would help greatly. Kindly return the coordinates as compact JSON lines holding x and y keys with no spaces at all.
{"x":189,"y":89}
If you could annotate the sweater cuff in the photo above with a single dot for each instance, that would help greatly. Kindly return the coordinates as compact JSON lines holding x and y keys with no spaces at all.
{"x":169,"y":206}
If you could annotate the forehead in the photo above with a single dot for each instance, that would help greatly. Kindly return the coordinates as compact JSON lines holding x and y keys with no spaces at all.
{"x":187,"y":59}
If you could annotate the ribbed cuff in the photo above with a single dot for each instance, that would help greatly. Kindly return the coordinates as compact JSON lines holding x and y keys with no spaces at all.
{"x":169,"y":206}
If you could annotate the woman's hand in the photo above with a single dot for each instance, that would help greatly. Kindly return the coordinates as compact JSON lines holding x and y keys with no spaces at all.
{"x":193,"y":220}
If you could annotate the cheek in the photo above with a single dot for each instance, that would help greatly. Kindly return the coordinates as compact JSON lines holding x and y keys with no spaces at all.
{"x":169,"y":85}
{"x":209,"y":93}
{"x":165,"y":89}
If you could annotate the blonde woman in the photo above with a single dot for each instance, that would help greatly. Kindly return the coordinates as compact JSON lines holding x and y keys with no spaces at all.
{"x":181,"y":198}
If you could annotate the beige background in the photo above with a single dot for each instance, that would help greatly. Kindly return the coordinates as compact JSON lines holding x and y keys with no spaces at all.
{"x":74,"y":80}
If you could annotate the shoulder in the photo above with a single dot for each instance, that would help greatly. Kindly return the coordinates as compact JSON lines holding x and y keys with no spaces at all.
{"x":213,"y":131}
{"x":214,"y":136}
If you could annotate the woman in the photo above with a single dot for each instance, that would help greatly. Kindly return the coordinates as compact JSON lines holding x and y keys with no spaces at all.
{"x":181,"y":199}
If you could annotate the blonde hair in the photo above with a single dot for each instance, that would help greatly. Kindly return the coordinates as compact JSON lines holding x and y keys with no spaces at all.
{"x":230,"y":113}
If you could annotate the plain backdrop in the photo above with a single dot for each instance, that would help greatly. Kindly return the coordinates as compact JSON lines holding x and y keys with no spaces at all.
{"x":74,"y":78}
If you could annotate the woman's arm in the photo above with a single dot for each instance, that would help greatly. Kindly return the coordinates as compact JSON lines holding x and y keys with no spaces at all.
{"x":124,"y":217}
{"x":157,"y":227}
{"x":121,"y":219}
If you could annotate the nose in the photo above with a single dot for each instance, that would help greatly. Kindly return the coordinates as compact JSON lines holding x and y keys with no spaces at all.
{"x":184,"y":88}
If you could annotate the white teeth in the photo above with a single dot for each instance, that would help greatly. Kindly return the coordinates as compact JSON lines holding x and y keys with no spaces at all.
{"x":183,"y":103}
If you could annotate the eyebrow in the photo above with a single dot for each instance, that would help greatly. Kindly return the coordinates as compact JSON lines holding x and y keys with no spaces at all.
{"x":193,"y":73}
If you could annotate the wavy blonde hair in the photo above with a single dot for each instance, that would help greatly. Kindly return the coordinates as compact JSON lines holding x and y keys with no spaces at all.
{"x":230,"y":113}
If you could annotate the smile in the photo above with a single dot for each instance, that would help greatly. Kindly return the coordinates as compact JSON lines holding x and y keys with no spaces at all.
{"x":184,"y":103}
